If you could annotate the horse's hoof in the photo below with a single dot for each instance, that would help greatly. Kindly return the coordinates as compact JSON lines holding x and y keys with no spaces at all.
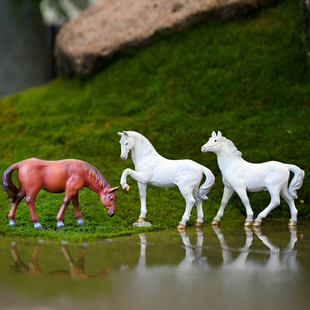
{"x":126,"y":189}
{"x":80,"y":222}
{"x":198,"y":229}
{"x":257,"y":224}
{"x":13,"y":223}
{"x":37,"y":226}
{"x":248,"y":229}
{"x":215,"y":223}
{"x":198,"y":224}
{"x":292,"y":228}
{"x":292,"y":223}
{"x":248,"y":223}
{"x":181,"y":226}
{"x":141,"y":219}
{"x":257,"y":229}
{"x":60,"y":227}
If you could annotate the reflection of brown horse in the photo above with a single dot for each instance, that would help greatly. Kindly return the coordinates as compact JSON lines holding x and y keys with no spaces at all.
{"x":68,"y":175}
{"x":76,"y":269}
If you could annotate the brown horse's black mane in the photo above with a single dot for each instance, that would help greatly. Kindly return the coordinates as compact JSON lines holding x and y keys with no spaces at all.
{"x":94,"y":174}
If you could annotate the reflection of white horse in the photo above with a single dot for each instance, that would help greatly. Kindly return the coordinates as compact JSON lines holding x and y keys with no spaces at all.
{"x":278,"y":260}
{"x":241,"y":176}
{"x":152,"y":168}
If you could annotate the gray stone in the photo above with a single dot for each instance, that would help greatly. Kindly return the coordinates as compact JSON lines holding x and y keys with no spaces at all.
{"x":142,"y":224}
{"x":107,"y":27}
{"x":23,"y":50}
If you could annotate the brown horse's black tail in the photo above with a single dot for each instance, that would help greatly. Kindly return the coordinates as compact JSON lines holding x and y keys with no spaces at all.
{"x":8,"y":184}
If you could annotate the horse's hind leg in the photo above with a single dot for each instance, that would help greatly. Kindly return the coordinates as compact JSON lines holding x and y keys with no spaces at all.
{"x":188,"y":196}
{"x":275,"y":201}
{"x":30,"y":201}
{"x":15,"y":204}
{"x":198,"y":201}
{"x":290,"y":201}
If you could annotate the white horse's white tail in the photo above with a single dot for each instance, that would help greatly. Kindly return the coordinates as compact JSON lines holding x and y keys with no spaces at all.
{"x":297,"y":181}
{"x":207,"y":185}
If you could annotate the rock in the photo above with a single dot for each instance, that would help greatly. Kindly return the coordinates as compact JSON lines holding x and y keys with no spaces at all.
{"x":107,"y":27}
{"x":142,"y":224}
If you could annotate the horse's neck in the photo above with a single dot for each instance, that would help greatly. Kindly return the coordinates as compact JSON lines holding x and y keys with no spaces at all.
{"x":138,"y":153}
{"x":99,"y":187}
{"x":96,"y":188}
{"x":225,"y":157}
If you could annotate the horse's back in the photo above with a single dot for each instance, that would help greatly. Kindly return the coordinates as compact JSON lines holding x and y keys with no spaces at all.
{"x":261,"y":176}
{"x":49,"y":175}
{"x":170,"y":173}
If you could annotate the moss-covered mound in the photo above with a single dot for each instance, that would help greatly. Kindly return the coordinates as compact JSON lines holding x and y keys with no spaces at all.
{"x":248,"y":78}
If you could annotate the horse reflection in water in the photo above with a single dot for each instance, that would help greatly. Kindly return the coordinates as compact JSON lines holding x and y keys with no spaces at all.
{"x":192,"y":258}
{"x":239,"y":266}
{"x":285,"y":259}
{"x":76,"y":268}
{"x":255,"y":278}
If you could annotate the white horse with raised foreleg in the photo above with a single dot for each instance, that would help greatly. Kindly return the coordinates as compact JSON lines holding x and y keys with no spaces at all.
{"x":152,"y":168}
{"x":241,"y":176}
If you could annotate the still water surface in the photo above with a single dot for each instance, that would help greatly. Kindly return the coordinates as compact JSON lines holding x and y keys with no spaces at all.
{"x":224,"y":268}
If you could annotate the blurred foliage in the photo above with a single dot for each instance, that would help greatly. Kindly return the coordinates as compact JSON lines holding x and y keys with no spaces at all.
{"x":247,"y":77}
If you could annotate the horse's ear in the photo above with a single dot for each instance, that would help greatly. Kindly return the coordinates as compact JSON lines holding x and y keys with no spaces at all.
{"x":126,"y":134}
{"x":120,"y":134}
{"x":213,"y":134}
{"x":110,"y":190}
{"x":219,"y":134}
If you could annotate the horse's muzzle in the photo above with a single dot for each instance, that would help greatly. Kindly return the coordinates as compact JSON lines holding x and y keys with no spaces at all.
{"x":204,"y":149}
{"x":111,"y":213}
{"x":124,"y":157}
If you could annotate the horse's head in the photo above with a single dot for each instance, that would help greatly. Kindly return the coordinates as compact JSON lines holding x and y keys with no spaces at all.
{"x":108,"y":198}
{"x":214,"y":143}
{"x":127,"y":144}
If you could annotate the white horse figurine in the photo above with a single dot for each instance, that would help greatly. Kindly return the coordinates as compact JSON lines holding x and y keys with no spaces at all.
{"x":241,"y":176}
{"x":152,"y":168}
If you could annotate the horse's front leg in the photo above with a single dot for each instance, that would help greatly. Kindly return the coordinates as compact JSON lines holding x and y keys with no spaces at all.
{"x":77,"y":212}
{"x":226,"y":196}
{"x":142,"y":192}
{"x":123,"y":181}
{"x":241,"y":191}
{"x":141,"y":177}
{"x":68,"y":197}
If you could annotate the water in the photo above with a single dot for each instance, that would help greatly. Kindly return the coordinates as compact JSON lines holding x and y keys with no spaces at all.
{"x":226,"y":268}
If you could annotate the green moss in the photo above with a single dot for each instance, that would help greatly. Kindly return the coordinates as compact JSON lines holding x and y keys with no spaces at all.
{"x":247,"y":77}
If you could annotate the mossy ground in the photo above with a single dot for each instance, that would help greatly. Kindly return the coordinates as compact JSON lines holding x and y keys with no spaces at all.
{"x":247,"y":77}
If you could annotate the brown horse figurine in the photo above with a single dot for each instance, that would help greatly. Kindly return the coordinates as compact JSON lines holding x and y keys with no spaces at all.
{"x":68,"y":175}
